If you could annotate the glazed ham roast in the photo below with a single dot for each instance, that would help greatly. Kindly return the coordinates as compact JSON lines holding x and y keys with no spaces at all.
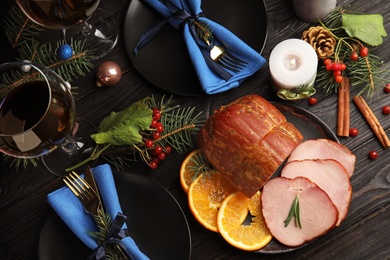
{"x":247,"y":141}
{"x":329,"y":175}
{"x":318,"y":214}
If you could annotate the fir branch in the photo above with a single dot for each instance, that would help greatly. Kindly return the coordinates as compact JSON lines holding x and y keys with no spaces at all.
{"x":180,"y":126}
{"x":199,"y":165}
{"x":202,"y":29}
{"x":19,"y":27}
{"x":103,"y":221}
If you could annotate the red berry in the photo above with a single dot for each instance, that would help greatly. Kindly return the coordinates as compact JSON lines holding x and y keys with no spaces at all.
{"x":337,"y":73}
{"x":167,"y":149}
{"x":158,"y":149}
{"x":161,"y":156}
{"x":156,"y":135}
{"x":153,"y":165}
{"x":336,"y":66}
{"x":353,"y":132}
{"x":387,"y":88}
{"x":339,"y":79}
{"x":373,"y":155}
{"x":327,"y":61}
{"x":160,"y":127}
{"x":363,"y":51}
{"x":343,"y":66}
{"x":329,"y":67}
{"x":386,"y":110}
{"x":154,"y":122}
{"x":354,"y":56}
{"x":157,"y":115}
{"x":312,"y":101}
{"x":148,"y":143}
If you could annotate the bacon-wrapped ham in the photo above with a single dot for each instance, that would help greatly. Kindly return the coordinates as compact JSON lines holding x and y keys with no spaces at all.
{"x":247,"y":141}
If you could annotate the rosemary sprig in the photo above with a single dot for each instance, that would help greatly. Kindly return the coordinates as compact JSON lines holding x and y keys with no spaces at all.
{"x":294,"y":212}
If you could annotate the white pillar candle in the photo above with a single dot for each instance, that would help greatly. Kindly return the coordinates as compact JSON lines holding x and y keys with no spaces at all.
{"x":293,"y":65}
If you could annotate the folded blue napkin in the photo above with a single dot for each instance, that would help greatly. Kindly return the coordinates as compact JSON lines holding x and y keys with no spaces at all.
{"x":71,"y":211}
{"x":181,"y":14}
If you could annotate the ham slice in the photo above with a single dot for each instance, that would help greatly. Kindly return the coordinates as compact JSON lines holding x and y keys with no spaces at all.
{"x":247,"y":141}
{"x":329,"y":175}
{"x":318,"y":214}
{"x":324,"y":149}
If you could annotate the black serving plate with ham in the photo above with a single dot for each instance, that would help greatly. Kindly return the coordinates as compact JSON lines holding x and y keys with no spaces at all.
{"x":311,"y":127}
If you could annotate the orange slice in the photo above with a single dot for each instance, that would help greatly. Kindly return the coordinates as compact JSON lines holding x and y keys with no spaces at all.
{"x":205,"y":195}
{"x":234,"y":210}
{"x":194,"y":164}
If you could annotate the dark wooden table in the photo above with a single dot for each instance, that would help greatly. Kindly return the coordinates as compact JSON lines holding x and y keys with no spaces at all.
{"x":363,"y":235}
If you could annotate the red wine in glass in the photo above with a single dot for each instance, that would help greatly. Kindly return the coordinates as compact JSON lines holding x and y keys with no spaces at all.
{"x":58,"y":14}
{"x":34,"y":120}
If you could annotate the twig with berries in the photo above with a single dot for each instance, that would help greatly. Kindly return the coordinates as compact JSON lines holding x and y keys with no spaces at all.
{"x":148,"y":130}
{"x":345,"y":40}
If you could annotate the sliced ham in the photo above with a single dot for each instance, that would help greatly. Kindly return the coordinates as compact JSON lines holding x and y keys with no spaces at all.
{"x":318,"y":214}
{"x":324,"y":149}
{"x":329,"y":175}
{"x":247,"y":141}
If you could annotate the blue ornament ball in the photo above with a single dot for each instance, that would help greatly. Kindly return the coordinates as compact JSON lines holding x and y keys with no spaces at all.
{"x":65,"y":52}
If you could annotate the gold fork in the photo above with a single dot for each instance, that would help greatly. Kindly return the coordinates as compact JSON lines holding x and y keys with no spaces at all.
{"x":84,"y":192}
{"x":226,"y":59}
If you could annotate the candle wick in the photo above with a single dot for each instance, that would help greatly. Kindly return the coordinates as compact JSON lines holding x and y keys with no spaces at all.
{"x":293,"y":62}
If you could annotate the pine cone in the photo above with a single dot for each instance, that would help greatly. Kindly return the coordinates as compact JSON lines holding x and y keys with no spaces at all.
{"x":321,"y":40}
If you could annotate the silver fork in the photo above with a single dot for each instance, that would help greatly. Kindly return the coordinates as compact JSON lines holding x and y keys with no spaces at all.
{"x":84,"y":192}
{"x":226,"y":60}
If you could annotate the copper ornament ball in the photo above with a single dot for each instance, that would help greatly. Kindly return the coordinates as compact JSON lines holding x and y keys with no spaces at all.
{"x":108,"y":74}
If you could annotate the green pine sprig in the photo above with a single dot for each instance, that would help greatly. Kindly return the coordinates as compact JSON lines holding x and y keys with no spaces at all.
{"x":103,"y":222}
{"x":18,"y":27}
{"x":202,"y":29}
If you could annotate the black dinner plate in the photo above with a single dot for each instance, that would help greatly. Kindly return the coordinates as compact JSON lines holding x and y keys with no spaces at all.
{"x":154,"y":219}
{"x":311,"y":127}
{"x":164,"y":61}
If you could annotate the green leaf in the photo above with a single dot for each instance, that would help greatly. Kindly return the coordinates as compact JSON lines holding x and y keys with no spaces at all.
{"x":122,"y":128}
{"x":366,"y":27}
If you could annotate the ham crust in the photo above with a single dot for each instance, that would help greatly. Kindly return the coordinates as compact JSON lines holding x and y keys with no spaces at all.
{"x":329,"y":175}
{"x":318,"y":214}
{"x":325,"y":149}
{"x":247,"y":141}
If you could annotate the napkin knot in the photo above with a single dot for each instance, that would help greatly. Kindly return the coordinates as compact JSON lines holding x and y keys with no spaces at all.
{"x":178,"y":18}
{"x":114,"y":236}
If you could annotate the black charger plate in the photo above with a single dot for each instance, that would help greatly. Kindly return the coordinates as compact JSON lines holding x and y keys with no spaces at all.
{"x":165,"y":62}
{"x":154,"y":219}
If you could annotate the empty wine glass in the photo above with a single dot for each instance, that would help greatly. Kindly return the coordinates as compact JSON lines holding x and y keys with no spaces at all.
{"x":79,"y":19}
{"x":37,"y":116}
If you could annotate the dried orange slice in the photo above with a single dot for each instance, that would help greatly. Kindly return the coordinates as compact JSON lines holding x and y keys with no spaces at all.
{"x":234,"y":210}
{"x":205,"y":195}
{"x":194,"y":164}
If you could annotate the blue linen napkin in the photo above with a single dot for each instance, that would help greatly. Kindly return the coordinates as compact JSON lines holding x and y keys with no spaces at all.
{"x":71,"y":211}
{"x":211,"y":81}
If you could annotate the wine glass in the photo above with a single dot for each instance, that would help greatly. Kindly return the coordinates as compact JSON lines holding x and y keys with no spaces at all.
{"x":37,"y":115}
{"x":79,"y":19}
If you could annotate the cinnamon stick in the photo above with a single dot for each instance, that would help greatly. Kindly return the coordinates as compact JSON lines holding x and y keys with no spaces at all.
{"x":372,"y":121}
{"x":343,"y":113}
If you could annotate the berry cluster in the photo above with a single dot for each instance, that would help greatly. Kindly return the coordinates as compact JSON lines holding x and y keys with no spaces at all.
{"x":157,"y":152}
{"x":337,"y":67}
